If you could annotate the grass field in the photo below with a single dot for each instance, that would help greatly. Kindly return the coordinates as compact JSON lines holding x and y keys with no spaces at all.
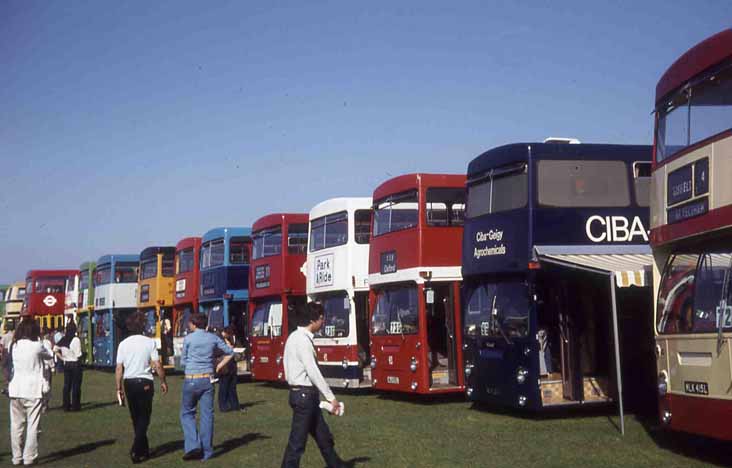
{"x":379,"y":430}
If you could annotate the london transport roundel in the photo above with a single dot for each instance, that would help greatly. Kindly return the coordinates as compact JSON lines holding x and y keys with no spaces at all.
{"x":50,"y":301}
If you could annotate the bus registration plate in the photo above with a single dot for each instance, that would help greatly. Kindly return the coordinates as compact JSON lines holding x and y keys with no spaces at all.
{"x":696,"y":388}
{"x":391,"y":379}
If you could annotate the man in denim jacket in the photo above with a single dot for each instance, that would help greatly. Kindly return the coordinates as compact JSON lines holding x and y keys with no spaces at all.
{"x":199,"y":347}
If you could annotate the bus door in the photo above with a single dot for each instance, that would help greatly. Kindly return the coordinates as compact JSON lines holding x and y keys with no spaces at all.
{"x":569,"y":343}
{"x":361,"y":300}
{"x":439,"y":302}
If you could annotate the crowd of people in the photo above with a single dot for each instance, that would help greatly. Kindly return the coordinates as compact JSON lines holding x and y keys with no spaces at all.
{"x":30,"y":357}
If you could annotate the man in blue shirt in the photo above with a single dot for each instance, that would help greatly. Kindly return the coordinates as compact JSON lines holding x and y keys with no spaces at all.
{"x":199,"y":347}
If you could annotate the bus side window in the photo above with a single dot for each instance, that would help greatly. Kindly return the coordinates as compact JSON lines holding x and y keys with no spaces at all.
{"x":642,"y":183}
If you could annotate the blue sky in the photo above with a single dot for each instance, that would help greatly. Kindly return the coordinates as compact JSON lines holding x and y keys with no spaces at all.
{"x":130,"y":124}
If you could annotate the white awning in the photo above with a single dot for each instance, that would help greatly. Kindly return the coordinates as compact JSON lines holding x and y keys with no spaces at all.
{"x":631,"y":265}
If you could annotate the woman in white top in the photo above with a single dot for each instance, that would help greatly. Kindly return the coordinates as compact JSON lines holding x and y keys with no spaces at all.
{"x":68,"y":349}
{"x":26,"y":391}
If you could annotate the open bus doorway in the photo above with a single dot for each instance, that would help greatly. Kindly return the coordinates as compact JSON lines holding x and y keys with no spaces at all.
{"x":575,"y":335}
{"x":361,"y":299}
{"x":440,"y":305}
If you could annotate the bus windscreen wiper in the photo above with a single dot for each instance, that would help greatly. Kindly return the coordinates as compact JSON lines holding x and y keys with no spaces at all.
{"x":496,"y":323}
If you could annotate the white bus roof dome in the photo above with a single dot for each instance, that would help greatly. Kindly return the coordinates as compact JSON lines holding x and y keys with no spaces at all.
{"x":562,"y":140}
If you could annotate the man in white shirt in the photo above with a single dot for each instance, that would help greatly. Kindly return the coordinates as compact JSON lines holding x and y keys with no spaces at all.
{"x":137,"y":355}
{"x":306,"y":382}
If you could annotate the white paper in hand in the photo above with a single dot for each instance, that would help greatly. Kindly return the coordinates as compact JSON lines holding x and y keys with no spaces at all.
{"x":326,"y":405}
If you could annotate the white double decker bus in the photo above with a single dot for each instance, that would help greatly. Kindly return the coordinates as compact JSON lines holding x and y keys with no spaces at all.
{"x":337,"y":277}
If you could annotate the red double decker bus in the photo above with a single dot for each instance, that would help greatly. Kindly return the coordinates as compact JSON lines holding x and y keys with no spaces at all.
{"x":414,"y":281}
{"x":691,"y":238}
{"x":45,"y":294}
{"x":276,"y":289}
{"x":185,"y":301}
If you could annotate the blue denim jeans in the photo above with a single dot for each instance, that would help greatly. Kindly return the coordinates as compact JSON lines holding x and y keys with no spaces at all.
{"x":197,"y":392}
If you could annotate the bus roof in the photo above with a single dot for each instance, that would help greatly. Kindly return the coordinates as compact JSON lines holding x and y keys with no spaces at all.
{"x":277,"y":219}
{"x":118,"y":258}
{"x":334,"y":205}
{"x":153,"y":251}
{"x":222,"y":232}
{"x":516,"y":152}
{"x":59,"y":273}
{"x":188,"y":242}
{"x":699,"y":58}
{"x":87,"y":266}
{"x":406,"y":182}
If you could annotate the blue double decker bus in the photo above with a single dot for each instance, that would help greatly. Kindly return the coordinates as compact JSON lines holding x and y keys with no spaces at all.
{"x":224,"y":280}
{"x":115,"y":297}
{"x":555,"y":253}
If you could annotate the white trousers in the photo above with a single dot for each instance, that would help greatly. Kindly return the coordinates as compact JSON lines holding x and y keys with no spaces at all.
{"x":24,"y":418}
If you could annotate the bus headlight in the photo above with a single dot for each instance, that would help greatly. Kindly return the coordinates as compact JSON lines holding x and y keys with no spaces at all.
{"x":522,"y":400}
{"x":469,"y":392}
{"x":666,"y":417}
{"x":344,"y":363}
{"x":279,"y":376}
{"x":413,"y":365}
{"x":662,"y":384}
{"x":278,"y":360}
{"x":521,"y":375}
{"x":468,"y":370}
{"x":373,"y":362}
{"x":414,"y":386}
{"x":252,"y":360}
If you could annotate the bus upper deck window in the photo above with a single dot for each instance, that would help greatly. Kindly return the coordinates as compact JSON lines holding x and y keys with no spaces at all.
{"x":445,"y":206}
{"x":642,"y":183}
{"x":582,"y":183}
{"x":238,"y":251}
{"x":362,"y":219}
{"x":297,"y":238}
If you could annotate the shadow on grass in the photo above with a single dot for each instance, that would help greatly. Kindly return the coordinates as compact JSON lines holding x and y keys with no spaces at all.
{"x":88,"y":406}
{"x":220,"y":449}
{"x":232,"y":444}
{"x":78,"y":450}
{"x":711,"y":451}
{"x":422,"y":400}
{"x":249,"y":404}
{"x":550,"y":413}
{"x":354,"y":461}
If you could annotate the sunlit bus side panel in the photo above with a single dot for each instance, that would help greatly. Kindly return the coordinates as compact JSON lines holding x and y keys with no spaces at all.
{"x":187,"y":272}
{"x":13,"y":305}
{"x":46,"y":295}
{"x":115,"y":297}
{"x":276,"y":289}
{"x":224,"y":284}
{"x":691,"y":221}
{"x":155,"y":294}
{"x":414,"y":280}
{"x":337,"y":277}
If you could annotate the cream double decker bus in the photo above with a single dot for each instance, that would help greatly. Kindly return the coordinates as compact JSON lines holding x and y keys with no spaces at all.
{"x":691,"y":237}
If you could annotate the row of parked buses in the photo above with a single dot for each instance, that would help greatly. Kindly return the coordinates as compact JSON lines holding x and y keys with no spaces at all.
{"x":525,"y":282}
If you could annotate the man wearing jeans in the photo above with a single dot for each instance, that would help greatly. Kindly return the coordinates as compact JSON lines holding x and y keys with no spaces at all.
{"x":197,"y":359}
{"x":137,"y":356}
{"x":306,"y":383}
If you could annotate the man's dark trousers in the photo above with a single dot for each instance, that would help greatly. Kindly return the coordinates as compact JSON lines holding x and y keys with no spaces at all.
{"x":307,"y":418}
{"x":139,"y":394}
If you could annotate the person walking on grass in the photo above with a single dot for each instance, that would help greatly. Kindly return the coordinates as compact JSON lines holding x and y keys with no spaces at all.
{"x":26,"y":391}
{"x":228,"y":399}
{"x":68,"y":350}
{"x":306,"y":383}
{"x":199,"y":349}
{"x":137,"y":356}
